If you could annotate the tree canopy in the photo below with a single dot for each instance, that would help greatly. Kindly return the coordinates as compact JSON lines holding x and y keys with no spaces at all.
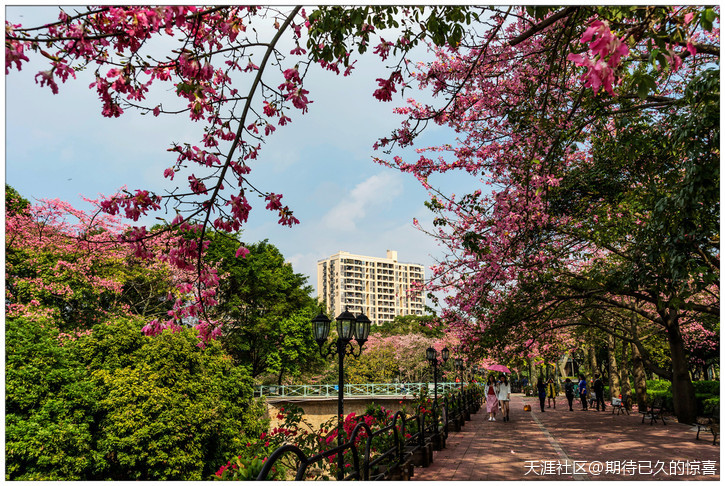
{"x":239,"y":72}
{"x":591,"y":126}
{"x":594,"y":131}
{"x":264,"y":307}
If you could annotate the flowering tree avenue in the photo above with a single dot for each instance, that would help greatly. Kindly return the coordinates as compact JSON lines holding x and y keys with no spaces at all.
{"x":597,"y":132}
{"x":238,"y":71}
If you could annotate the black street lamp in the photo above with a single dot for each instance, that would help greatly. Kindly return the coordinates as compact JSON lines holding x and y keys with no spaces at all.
{"x":474,"y":370}
{"x":432,"y":356}
{"x":347,"y":326}
{"x":459,"y":366}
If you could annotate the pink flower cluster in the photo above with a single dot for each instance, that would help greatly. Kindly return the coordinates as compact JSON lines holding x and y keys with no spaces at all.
{"x":387,"y":86}
{"x":134,"y":205}
{"x":603,"y":58}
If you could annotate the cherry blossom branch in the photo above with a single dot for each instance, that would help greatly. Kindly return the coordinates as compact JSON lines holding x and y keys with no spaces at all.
{"x":240,"y":129}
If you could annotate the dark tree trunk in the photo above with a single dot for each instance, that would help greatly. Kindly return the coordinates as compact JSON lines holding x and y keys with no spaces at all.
{"x":614,"y":389}
{"x":683,"y":393}
{"x":624,"y":375}
{"x":640,"y":378}
{"x":533,"y":372}
{"x":592,"y":359}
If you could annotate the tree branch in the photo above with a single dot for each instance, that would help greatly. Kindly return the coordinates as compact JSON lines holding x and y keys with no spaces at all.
{"x":542,"y":25}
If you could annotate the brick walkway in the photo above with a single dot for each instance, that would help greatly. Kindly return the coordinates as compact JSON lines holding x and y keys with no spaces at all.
{"x":552,"y":444}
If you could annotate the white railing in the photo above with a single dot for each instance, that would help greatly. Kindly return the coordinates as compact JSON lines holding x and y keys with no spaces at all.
{"x":362,"y":390}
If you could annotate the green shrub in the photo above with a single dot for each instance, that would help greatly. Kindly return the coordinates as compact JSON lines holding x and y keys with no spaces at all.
{"x":49,"y":406}
{"x":711,"y":406}
{"x":175,"y":411}
{"x":663,"y":385}
{"x":118,"y":405}
{"x":700,"y":399}
{"x":704,"y":391}
{"x":707,"y":387}
{"x":666,"y":396}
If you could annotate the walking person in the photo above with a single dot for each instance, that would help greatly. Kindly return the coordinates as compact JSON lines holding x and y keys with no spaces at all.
{"x":491,"y":399}
{"x":551,"y":392}
{"x":504,"y":395}
{"x":541,"y":390}
{"x":569,"y":392}
{"x":583,"y":391}
{"x":598,"y":388}
{"x":592,"y":396}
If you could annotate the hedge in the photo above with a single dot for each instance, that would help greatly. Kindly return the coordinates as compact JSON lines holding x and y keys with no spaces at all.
{"x":119,"y":405}
{"x":704,"y":392}
{"x":712,"y":406}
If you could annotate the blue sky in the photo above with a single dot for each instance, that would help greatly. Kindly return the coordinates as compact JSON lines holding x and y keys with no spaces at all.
{"x":59,"y":146}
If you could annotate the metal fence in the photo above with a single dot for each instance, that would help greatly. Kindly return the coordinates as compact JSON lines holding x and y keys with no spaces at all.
{"x":408,"y":442}
{"x":362,"y":390}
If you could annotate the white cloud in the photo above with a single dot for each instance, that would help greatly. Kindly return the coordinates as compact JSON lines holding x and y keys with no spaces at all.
{"x":372,"y":193}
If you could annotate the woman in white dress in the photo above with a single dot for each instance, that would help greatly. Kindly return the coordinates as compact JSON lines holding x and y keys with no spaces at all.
{"x":504,"y":395}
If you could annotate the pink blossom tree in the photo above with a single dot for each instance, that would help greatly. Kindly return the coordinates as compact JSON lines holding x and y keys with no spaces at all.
{"x":402,"y":357}
{"x":74,"y":267}
{"x":238,"y":71}
{"x":593,"y":133}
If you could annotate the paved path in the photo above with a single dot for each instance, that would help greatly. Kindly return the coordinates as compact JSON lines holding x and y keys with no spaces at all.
{"x":554,"y":444}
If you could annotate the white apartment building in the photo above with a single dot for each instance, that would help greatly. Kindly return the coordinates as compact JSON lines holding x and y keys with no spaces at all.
{"x":378,"y":287}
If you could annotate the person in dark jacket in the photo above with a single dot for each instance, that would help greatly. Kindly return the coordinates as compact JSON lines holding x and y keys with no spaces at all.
{"x":583,"y":391}
{"x":598,"y":388}
{"x":541,"y":389}
{"x":569,"y":392}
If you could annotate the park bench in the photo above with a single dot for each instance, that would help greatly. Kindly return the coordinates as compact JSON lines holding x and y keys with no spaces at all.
{"x":621,"y":405}
{"x":710,"y":423}
{"x":654,"y":411}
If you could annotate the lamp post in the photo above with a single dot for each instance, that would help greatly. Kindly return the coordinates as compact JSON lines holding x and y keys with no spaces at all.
{"x":445,"y":353}
{"x":474,"y":370}
{"x":459,"y":366}
{"x":347,"y":326}
{"x":432,"y":356}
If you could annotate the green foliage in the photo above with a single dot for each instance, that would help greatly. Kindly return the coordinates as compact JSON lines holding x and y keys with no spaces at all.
{"x":705,"y":392}
{"x":14,"y":202}
{"x":659,"y":385}
{"x":375,"y":365}
{"x":118,"y":405}
{"x":711,"y":406}
{"x":266,"y":308}
{"x":50,"y":406}
{"x":146,"y":288}
{"x":175,"y":410}
{"x":707,"y":387}
{"x":665,"y":395}
{"x":336,"y":30}
{"x":410,"y":325}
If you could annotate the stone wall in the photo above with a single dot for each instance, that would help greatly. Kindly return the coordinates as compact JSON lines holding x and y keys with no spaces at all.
{"x":319,"y":410}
